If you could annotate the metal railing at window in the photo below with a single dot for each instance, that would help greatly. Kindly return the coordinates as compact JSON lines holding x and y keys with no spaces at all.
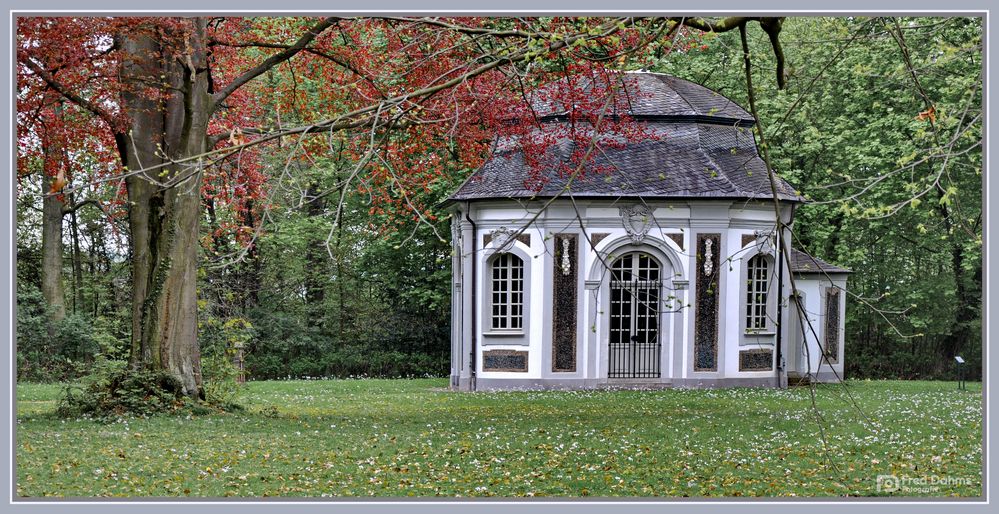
{"x":634,"y":348}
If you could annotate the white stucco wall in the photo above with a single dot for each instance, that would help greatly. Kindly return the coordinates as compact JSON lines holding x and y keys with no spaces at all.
{"x":732,"y":220}
{"x":808,"y":335}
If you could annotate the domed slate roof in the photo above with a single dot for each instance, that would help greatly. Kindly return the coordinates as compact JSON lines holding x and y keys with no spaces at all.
{"x":704,"y":149}
{"x":657,"y":96}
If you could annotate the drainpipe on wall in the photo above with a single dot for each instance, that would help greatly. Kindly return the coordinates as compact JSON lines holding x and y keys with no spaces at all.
{"x":475,"y":240}
{"x":781,"y":375}
{"x":780,"y":326}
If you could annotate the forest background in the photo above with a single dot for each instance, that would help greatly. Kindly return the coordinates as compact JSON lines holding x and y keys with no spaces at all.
{"x":879,"y":124}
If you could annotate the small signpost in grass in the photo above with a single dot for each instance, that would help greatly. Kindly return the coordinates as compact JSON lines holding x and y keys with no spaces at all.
{"x":960,"y":372}
{"x":238,"y":362}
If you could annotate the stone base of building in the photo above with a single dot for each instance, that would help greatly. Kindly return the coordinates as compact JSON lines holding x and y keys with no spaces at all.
{"x":563,"y":384}
{"x":823,"y":377}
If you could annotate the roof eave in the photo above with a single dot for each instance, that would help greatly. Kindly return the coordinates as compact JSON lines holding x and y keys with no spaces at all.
{"x":589,"y":196}
{"x":665,"y":118}
{"x":822,"y":272}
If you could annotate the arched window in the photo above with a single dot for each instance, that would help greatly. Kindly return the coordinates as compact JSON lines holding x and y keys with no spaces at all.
{"x":507,"y":292}
{"x":757,"y":283}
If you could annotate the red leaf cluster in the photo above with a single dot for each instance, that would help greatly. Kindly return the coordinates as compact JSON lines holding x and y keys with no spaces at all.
{"x":411,"y":141}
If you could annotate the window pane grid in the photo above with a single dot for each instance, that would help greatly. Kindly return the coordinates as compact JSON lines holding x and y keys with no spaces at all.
{"x":756,"y":293}
{"x":508,"y":292}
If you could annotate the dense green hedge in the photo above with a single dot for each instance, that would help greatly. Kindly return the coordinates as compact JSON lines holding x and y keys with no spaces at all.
{"x":348,"y":362}
{"x":61,"y":355}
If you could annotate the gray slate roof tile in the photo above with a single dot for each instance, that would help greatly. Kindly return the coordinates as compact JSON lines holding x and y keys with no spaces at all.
{"x":699,"y":153}
{"x":654,"y":94}
{"x":802,"y":262}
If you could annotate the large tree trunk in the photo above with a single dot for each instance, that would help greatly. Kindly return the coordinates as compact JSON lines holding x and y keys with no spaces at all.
{"x":163,"y":221}
{"x":52,"y":287}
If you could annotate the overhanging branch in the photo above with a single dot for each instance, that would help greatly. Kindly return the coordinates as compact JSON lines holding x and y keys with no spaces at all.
{"x":274,"y":60}
{"x":60,"y":88}
{"x":770,"y":25}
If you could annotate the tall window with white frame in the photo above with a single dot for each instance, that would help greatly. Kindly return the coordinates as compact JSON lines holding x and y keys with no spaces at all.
{"x":757,"y":282}
{"x":507,"y":292}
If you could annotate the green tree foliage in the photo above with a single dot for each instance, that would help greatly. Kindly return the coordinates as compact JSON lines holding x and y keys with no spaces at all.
{"x":889,"y":153}
{"x":380,"y":305}
{"x":879,"y":125}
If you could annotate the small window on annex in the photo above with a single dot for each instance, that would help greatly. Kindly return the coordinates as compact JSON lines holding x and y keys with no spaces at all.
{"x":507,"y":292}
{"x":757,"y":284}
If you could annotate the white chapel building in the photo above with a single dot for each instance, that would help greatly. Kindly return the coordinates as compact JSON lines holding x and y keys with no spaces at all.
{"x":663,"y":273}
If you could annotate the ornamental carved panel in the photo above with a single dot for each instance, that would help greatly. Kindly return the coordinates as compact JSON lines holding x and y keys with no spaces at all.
{"x":503,"y":238}
{"x":565,"y":306}
{"x":832,"y":325}
{"x":637,"y":220}
{"x":706,"y":302}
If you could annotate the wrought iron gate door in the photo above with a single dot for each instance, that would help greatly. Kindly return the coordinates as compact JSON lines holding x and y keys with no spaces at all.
{"x":635,"y":289}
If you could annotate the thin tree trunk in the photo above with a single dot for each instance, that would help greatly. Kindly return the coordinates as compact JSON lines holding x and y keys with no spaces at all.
{"x":251,"y":270}
{"x":968,"y":298}
{"x":316,"y":262}
{"x":341,"y":280}
{"x":966,"y":294}
{"x":52,"y":287}
{"x":77,"y":263}
{"x":96,"y":242}
{"x":213,"y":225}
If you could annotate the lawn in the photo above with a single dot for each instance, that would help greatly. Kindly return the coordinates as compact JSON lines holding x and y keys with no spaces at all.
{"x":413,"y":438}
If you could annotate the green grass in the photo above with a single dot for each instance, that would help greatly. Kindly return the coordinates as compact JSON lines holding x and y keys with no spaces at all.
{"x":413,"y":438}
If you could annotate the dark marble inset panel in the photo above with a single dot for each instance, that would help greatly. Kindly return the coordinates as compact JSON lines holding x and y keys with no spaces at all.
{"x":677,"y":238}
{"x":756,"y":360}
{"x":523,"y":238}
{"x":748,"y":238}
{"x":706,"y":302}
{"x":832,"y":325}
{"x":596,"y":238}
{"x":504,"y":360}
{"x":564,"y":300}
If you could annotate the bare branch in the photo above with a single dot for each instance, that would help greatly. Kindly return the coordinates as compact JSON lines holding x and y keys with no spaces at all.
{"x":77,"y":99}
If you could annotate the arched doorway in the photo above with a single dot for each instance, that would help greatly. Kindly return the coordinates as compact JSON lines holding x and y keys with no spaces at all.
{"x":634,"y":347}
